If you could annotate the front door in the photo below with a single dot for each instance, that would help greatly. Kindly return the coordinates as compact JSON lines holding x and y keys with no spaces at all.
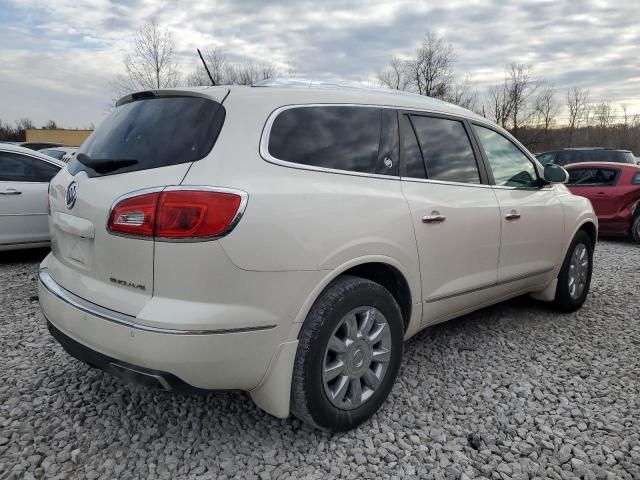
{"x":455,"y":215}
{"x":24,"y":181}
{"x":532,"y":217}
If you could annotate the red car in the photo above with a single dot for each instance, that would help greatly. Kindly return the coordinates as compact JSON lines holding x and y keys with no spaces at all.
{"x":614,"y":191}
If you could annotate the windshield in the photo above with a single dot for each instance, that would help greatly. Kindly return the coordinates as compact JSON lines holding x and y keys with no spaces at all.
{"x":150,"y":133}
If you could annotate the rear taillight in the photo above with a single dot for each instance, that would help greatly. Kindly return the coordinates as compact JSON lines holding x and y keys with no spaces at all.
{"x":178,"y":213}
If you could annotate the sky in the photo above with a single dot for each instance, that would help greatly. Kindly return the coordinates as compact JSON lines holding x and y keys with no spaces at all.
{"x":59,"y":56}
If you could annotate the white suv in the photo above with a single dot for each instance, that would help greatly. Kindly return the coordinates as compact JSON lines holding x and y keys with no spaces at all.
{"x":285,"y":241}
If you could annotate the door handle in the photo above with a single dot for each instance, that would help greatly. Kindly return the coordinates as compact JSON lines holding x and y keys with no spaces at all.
{"x":435,"y":217}
{"x":512,"y":216}
{"x":10,"y":191}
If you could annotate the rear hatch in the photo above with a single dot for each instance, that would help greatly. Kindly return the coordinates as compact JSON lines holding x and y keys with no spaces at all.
{"x":148,"y":142}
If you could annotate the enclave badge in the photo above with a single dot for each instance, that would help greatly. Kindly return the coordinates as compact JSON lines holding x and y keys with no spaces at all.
{"x":72,"y":194}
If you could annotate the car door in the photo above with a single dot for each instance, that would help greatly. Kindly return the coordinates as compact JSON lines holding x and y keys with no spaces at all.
{"x":598,"y":185}
{"x":455,"y":213}
{"x":532,"y":217}
{"x":24,"y":182}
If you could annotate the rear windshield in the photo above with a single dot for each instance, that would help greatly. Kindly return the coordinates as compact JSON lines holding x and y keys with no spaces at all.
{"x":579,"y":156}
{"x":151,"y":133}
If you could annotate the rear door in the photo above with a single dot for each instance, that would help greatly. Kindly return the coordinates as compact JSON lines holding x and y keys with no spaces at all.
{"x":148,"y":142}
{"x":455,"y":213}
{"x":532,"y":218}
{"x":23,"y":198}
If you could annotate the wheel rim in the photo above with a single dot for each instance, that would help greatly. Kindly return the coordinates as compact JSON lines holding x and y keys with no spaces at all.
{"x":578,"y":271}
{"x":356,"y":358}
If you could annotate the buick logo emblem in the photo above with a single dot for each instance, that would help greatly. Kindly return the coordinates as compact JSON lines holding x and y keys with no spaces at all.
{"x":72,"y":194}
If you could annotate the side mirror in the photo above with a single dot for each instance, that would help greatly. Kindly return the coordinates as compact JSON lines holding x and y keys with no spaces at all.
{"x":555,"y":173}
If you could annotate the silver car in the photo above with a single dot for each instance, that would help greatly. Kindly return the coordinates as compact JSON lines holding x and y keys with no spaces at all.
{"x":24,"y":182}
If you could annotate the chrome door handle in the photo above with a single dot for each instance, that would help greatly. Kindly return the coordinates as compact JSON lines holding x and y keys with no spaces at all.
{"x":435,"y":217}
{"x":10,"y":191}
{"x":512,"y":216}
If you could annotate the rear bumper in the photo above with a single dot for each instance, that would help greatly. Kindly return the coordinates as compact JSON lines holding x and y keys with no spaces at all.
{"x":135,"y":373}
{"x":229,"y":359}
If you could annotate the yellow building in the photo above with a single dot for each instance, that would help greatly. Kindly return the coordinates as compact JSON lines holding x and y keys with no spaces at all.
{"x":72,"y":138}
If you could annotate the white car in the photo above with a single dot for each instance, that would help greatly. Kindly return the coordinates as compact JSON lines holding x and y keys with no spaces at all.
{"x":285,"y":241}
{"x":24,"y":180}
{"x":64,"y":154}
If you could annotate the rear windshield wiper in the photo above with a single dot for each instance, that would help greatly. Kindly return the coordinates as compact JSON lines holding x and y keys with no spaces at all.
{"x":105,"y":165}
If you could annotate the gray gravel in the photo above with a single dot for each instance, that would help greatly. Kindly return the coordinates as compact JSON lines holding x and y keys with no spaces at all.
{"x":513,"y":391}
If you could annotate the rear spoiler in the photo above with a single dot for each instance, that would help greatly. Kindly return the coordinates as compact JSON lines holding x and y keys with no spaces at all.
{"x":219,"y":94}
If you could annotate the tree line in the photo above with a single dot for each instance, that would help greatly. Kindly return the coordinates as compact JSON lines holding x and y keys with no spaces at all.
{"x":16,"y":133}
{"x":537,"y":113}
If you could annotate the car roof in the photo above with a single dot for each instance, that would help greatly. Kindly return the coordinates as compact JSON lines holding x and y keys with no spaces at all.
{"x":7,"y":147}
{"x":280,"y":92}
{"x":584,"y":149}
{"x":630,"y":166}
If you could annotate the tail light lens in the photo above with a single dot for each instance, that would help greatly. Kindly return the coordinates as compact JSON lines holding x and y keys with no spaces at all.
{"x":178,"y":213}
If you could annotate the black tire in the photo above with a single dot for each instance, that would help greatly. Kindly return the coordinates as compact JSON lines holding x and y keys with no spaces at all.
{"x":309,"y":402}
{"x":563,"y":299}
{"x":634,"y":229}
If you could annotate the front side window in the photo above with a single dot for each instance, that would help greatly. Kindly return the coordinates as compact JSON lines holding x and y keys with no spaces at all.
{"x":592,"y":176}
{"x":446,"y":149}
{"x":337,"y":137}
{"x":510,"y":167}
{"x":636,"y":179}
{"x":21,"y":168}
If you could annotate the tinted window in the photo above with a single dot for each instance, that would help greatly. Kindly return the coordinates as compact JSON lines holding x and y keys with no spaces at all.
{"x":151,"y":133}
{"x":413,"y":164}
{"x":20,"y":168}
{"x":446,"y":150}
{"x":636,"y":179}
{"x":343,"y":138}
{"x":566,"y":157}
{"x":510,"y":167}
{"x":592,"y":176}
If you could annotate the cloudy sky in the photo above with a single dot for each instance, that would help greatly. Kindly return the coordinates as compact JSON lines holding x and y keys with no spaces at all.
{"x":59,"y":56}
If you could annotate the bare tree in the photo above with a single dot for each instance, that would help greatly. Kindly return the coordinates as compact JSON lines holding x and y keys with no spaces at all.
{"x":395,"y":75}
{"x":463,"y":94}
{"x":218,"y":67}
{"x":604,"y":114}
{"x":431,"y":70}
{"x":546,"y":108}
{"x":150,"y":62}
{"x":520,"y":89}
{"x":498,"y":105}
{"x":50,"y":125}
{"x":577,"y":103}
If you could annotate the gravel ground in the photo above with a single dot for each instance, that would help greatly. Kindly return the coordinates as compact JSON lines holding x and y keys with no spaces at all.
{"x":513,"y":391}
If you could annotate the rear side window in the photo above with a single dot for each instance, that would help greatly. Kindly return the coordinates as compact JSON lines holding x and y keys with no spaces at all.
{"x":21,"y":168}
{"x":151,"y":133}
{"x":636,"y":179}
{"x":592,"y":176}
{"x":356,"y":139}
{"x":446,"y":149}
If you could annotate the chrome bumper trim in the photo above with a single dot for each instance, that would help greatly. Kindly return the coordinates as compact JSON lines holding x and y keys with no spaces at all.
{"x":123,"y":319}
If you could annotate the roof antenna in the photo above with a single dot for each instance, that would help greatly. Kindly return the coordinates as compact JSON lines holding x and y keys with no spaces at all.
{"x":205,"y":67}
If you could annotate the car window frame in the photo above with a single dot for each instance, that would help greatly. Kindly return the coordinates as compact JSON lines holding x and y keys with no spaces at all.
{"x":34,"y":157}
{"x":542,"y":184}
{"x":482,"y":171}
{"x":266,"y":134}
{"x":598,"y":185}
